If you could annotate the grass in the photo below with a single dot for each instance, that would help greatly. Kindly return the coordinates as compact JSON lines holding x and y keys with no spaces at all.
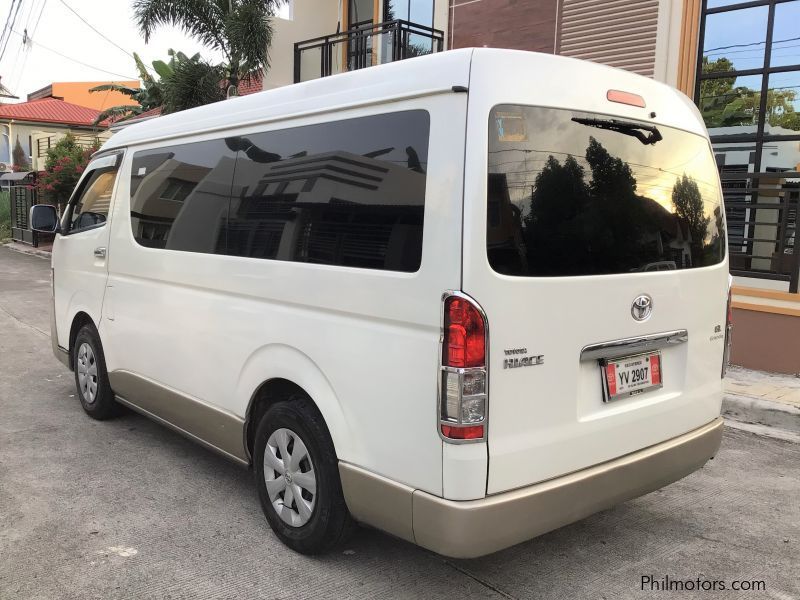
{"x":5,"y":216}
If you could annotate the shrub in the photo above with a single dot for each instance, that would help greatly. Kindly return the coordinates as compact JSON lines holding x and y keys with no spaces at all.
{"x":62,"y":169}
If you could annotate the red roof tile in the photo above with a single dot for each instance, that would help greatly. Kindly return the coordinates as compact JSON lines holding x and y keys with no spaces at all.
{"x":251,"y":86}
{"x":153,"y":112}
{"x":50,"y":110}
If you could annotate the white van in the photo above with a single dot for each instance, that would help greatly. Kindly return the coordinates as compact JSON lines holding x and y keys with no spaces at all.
{"x":420,"y":296}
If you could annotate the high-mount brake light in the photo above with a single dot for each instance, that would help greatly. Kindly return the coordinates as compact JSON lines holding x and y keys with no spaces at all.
{"x":463,"y":387}
{"x":628,"y":98}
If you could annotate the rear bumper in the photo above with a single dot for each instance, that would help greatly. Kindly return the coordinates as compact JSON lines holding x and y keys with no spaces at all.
{"x":477,"y":527}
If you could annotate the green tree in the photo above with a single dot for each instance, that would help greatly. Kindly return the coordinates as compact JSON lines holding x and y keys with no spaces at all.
{"x":239,"y":29}
{"x":151,"y":93}
{"x":19,"y":158}
{"x":558,"y":200}
{"x":723,"y":104}
{"x":63,"y":167}
{"x":688,"y":203}
{"x":192,"y":83}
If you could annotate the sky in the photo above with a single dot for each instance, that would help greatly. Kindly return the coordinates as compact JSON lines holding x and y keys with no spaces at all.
{"x":25,"y":69}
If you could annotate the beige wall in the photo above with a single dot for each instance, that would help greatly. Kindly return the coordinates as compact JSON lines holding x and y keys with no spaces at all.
{"x":77,"y":92}
{"x":37,"y":162}
{"x":310,"y":19}
{"x":315,"y":18}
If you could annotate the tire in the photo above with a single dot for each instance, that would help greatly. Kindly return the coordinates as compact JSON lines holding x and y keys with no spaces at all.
{"x":315,"y":522}
{"x":91,"y":377}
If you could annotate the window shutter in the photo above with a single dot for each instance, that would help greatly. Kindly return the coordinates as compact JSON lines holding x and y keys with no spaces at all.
{"x":618,"y":33}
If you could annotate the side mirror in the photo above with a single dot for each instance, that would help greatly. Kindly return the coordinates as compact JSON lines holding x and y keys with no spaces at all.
{"x":44,"y":218}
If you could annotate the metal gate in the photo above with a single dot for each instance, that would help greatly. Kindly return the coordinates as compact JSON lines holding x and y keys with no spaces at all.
{"x":22,"y":196}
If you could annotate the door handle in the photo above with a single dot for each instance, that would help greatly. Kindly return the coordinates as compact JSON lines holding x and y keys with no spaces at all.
{"x":100,"y":252}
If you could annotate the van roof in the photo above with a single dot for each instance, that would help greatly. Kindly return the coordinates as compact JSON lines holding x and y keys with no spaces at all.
{"x":415,"y":77}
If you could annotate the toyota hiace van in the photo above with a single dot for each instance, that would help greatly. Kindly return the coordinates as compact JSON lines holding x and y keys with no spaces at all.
{"x":465,"y":298}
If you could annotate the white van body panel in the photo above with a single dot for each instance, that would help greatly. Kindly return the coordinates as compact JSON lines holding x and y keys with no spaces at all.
{"x":347,"y":336}
{"x":550,"y":420}
{"x":81,"y":281}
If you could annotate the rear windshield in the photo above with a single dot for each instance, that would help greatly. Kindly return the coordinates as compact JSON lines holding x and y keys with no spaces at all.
{"x":575,"y":193}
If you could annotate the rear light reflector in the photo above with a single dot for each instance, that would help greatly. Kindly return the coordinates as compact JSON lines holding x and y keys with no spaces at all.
{"x":655,"y":369}
{"x":474,"y":432}
{"x":625,"y":98}
{"x":463,"y":387}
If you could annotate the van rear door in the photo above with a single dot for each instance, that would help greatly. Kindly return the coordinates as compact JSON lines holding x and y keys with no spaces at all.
{"x":598,"y":255}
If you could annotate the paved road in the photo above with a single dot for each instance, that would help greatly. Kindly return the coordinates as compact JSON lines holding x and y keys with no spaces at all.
{"x":128,"y":509}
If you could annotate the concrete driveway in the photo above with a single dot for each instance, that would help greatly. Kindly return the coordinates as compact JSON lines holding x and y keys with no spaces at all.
{"x":128,"y":509}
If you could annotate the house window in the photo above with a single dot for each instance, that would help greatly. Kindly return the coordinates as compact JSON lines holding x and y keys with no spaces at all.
{"x":416,"y":11}
{"x":176,"y":190}
{"x":748,"y":91}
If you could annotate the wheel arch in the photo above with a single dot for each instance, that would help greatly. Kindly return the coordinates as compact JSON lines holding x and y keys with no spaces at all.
{"x":80,"y":319}
{"x":275,"y":372}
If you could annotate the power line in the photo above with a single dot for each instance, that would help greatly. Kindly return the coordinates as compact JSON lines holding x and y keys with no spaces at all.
{"x":30,"y":39}
{"x":39,"y":18}
{"x":8,"y":21}
{"x":17,"y":67}
{"x":102,"y":35}
{"x":75,"y":60}
{"x":13,"y":22}
{"x":705,"y":50}
{"x":30,"y":13}
{"x":97,"y":31}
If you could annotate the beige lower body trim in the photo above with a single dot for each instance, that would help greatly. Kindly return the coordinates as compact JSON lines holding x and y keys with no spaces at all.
{"x":476,"y":527}
{"x":216,"y":429}
{"x":377,"y":501}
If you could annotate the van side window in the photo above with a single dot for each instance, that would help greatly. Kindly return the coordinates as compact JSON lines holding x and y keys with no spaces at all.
{"x":180,"y":196}
{"x":92,"y":205}
{"x":348,"y":193}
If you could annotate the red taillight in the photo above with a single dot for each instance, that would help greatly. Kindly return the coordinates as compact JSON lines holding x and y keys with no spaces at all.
{"x":464,"y":335}
{"x":474,"y":432}
{"x":463,"y":378}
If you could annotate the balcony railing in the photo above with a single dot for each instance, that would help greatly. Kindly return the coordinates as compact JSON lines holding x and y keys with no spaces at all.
{"x":762,"y":215}
{"x":364,"y":45}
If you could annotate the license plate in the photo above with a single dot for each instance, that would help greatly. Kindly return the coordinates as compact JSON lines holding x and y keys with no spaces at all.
{"x":631,"y":375}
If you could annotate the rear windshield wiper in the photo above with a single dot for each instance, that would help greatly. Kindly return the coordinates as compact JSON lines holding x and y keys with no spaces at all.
{"x":625,"y":127}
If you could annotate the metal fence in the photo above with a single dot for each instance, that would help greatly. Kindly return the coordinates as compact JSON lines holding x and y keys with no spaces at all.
{"x":761,"y":211}
{"x":364,"y":45}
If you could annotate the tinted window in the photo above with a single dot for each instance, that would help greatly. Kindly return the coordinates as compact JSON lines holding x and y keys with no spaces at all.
{"x":91,"y":207}
{"x":180,"y":196}
{"x":581,"y":194}
{"x":349,"y":193}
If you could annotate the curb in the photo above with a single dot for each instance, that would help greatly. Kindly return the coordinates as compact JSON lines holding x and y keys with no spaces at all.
{"x":761,"y":412}
{"x":30,"y":251}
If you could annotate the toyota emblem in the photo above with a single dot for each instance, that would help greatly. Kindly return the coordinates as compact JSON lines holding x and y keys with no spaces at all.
{"x":642,"y":307}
